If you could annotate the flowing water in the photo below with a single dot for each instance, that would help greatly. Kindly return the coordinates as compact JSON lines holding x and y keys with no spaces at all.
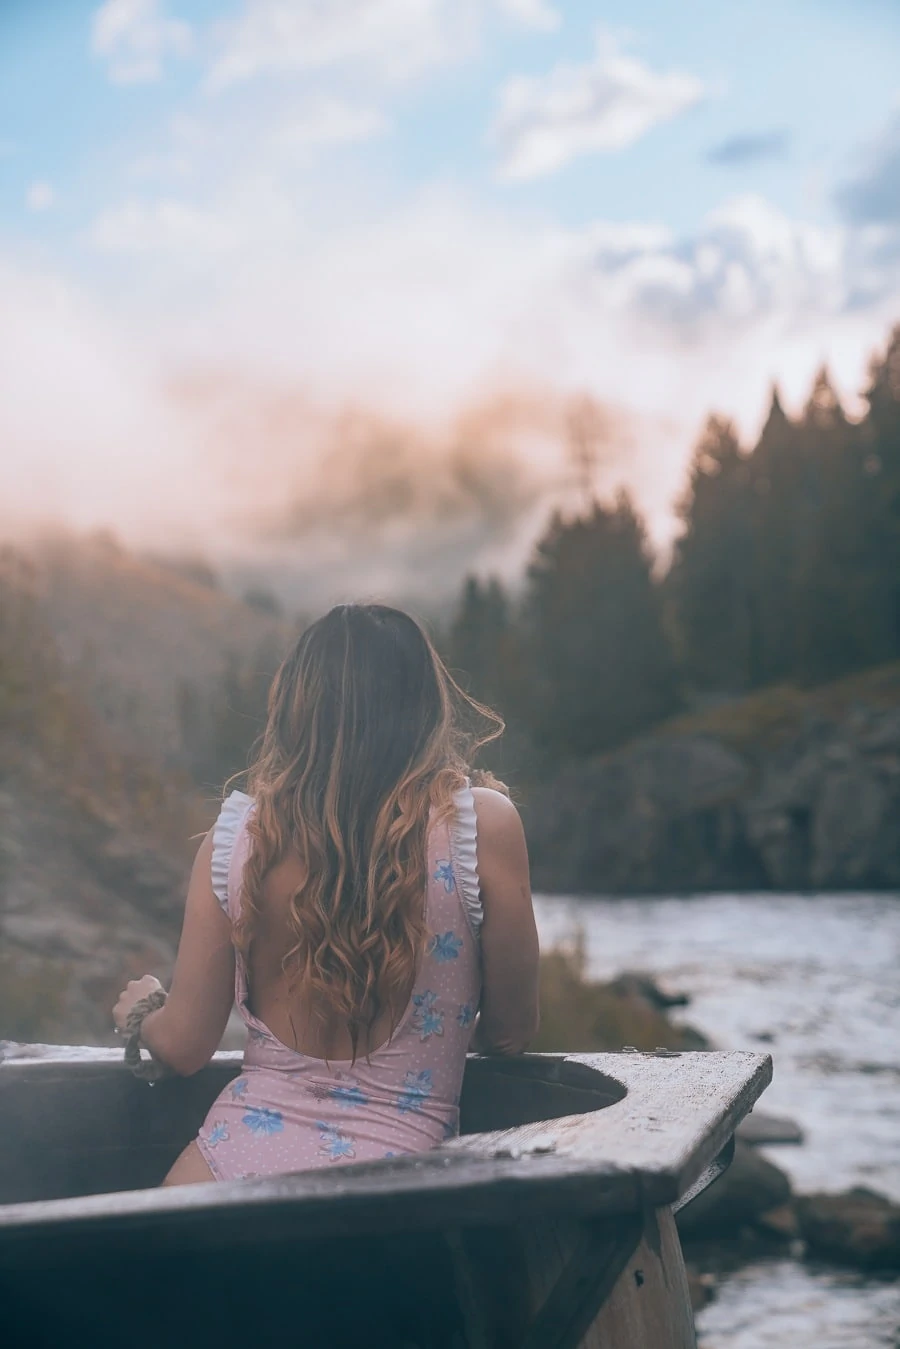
{"x":815,"y":980}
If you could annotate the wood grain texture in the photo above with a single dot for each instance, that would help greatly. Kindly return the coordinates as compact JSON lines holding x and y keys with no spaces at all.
{"x":678,"y":1112}
{"x":641,"y":1150}
{"x":574,"y":1159}
{"x":650,"y":1304}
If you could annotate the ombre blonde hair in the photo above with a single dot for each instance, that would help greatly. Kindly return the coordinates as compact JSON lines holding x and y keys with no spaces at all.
{"x":364,"y":745}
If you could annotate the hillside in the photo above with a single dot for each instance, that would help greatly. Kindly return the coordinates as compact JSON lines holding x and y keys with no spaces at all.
{"x":788,"y":789}
{"x":134,"y":634}
{"x":95,"y":841}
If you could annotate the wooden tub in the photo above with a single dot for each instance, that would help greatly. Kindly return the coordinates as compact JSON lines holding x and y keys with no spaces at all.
{"x":546,"y":1225}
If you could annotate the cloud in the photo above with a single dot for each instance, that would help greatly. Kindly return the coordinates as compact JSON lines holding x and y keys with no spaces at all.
{"x":533,"y":13}
{"x":138,"y":227}
{"x":747,"y":263}
{"x":135,"y":37}
{"x":385,"y":40}
{"x":391,"y":38}
{"x":330,"y":121}
{"x":40,"y":196}
{"x":746,"y":149}
{"x":403,"y":318}
{"x":872,"y":197}
{"x":406,"y":507}
{"x":82,"y":407}
{"x":544,"y":122}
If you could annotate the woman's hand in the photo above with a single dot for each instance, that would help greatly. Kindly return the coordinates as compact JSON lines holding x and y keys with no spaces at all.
{"x":137,"y":989}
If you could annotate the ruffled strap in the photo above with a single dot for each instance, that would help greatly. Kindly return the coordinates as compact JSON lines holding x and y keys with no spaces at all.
{"x":225,"y":831}
{"x":464,"y":843}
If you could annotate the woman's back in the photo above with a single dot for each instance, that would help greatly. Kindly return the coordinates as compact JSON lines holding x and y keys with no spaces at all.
{"x":294,"y":1109}
{"x":280,"y":1006}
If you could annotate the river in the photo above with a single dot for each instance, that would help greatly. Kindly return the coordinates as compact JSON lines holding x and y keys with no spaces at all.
{"x":815,"y":980}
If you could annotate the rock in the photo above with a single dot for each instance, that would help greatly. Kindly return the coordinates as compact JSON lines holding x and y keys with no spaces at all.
{"x":851,"y":811}
{"x":751,"y":1186}
{"x":785,"y":790}
{"x":780,"y":1222}
{"x":636,"y":983}
{"x":758,"y":1128}
{"x":658,"y":815}
{"x":857,"y":1227}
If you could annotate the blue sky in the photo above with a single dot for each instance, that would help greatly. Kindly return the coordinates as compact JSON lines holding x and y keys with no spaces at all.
{"x":411,"y":204}
{"x":819,"y":74}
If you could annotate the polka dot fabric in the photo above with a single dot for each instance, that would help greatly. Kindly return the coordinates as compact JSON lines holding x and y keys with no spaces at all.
{"x":289,"y":1112}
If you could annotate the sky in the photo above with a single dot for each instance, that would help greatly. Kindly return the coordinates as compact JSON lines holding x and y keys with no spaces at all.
{"x":306,"y":278}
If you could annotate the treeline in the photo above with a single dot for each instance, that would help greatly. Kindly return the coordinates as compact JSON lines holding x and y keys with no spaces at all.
{"x":787,"y":569}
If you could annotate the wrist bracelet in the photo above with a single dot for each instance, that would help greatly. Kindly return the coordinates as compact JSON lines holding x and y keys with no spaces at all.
{"x":149,"y":1070}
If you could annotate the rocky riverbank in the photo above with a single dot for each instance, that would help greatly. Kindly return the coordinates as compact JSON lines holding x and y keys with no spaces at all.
{"x":785,"y":790}
{"x":752,"y":1211}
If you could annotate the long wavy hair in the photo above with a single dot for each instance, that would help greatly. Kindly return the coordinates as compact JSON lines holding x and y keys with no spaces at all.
{"x":367,"y":738}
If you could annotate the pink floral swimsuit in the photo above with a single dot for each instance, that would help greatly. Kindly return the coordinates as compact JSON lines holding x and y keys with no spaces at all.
{"x":289,"y":1112}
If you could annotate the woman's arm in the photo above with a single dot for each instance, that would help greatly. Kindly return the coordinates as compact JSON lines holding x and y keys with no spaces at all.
{"x":187,"y":1031}
{"x":509,"y":943}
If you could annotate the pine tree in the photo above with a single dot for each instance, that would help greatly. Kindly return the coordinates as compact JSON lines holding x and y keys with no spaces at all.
{"x":477,"y":639}
{"x":775,"y":479}
{"x":601,"y":664}
{"x":484,"y":652}
{"x":220,"y":726}
{"x":831,"y":607}
{"x":880,"y":501}
{"x":710,"y":583}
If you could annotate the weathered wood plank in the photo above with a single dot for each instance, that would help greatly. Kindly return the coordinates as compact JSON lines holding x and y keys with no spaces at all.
{"x":678,"y":1113}
{"x":643,"y":1149}
{"x":650,"y":1305}
{"x":578,"y":1283}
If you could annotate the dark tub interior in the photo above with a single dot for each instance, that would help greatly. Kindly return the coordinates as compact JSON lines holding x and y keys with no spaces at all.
{"x":75,"y":1124}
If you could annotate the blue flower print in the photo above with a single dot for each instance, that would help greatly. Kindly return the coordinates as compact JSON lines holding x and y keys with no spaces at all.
{"x":258,"y":1036}
{"x":418,"y":1087}
{"x":239,"y":1089}
{"x":445,"y":873}
{"x":217,"y":1134}
{"x":451,"y":1128}
{"x":348,"y":1096}
{"x":427,"y":1020}
{"x":465,"y":1016}
{"x":445,"y":946}
{"x":335,"y":1143}
{"x":260,"y":1120}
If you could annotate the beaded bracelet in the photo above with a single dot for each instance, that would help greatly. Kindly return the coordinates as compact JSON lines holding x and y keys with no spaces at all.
{"x":149,"y":1070}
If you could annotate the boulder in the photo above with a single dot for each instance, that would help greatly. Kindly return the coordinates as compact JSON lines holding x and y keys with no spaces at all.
{"x":853,"y":807}
{"x":751,"y":1186}
{"x":786,"y":789}
{"x":857,"y":1227}
{"x":636,"y":983}
{"x":780,"y":1222}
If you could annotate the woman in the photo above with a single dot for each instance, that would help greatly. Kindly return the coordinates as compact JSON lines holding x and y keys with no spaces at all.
{"x":369,"y":910}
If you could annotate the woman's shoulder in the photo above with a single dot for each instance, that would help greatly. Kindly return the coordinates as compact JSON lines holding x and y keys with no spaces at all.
{"x":500,"y":833}
{"x":495,"y":812}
